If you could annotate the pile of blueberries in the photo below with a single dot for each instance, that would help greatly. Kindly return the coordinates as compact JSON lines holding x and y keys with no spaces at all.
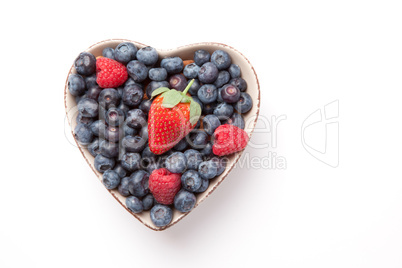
{"x":112,"y":122}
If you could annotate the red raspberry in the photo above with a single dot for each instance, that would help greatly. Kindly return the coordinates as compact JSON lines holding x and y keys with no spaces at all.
{"x":110,"y":73}
{"x":229,"y":139}
{"x":164,"y":185}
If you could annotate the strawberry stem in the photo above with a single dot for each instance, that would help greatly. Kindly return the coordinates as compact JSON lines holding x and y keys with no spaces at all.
{"x":188,"y":87}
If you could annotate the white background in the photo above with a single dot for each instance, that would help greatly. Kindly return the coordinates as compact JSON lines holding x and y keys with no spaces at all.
{"x":55,"y":213}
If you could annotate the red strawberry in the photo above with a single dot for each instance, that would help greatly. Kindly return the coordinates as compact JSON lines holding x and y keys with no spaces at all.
{"x":171,"y":117}
{"x":164,"y":185}
{"x":229,"y":139}
{"x":110,"y":73}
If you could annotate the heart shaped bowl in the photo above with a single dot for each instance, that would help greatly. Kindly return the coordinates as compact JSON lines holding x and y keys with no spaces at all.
{"x":185,"y":52}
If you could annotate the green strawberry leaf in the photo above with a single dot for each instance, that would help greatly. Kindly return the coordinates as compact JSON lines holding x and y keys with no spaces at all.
{"x":185,"y":99}
{"x":171,"y":98}
{"x":159,"y":91}
{"x":195,"y":112}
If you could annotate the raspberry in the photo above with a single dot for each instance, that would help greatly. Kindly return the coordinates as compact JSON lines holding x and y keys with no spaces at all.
{"x":229,"y":139}
{"x":110,"y":73}
{"x":164,"y":185}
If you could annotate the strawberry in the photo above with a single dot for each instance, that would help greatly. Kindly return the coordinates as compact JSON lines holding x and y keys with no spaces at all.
{"x":171,"y":117}
{"x":164,"y":185}
{"x":110,"y":73}
{"x":229,"y":139}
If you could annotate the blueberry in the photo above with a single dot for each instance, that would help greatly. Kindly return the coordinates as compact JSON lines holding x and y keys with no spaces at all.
{"x":134,"y":204}
{"x":148,"y":201}
{"x":209,"y":108}
{"x":178,"y":82}
{"x":191,"y":71}
{"x":120,"y":171}
{"x":113,"y":134}
{"x":85,"y":64}
{"x":76,"y":85}
{"x":236,"y":120}
{"x":161,"y":215}
{"x":125,"y":52}
{"x":144,"y":133}
{"x":194,"y":158}
{"x":90,"y":81}
{"x":197,"y":100}
{"x":128,"y":131}
{"x":132,"y":95}
{"x":201,"y":56}
{"x":108,"y":52}
{"x":154,"y":85}
{"x":83,"y":134}
{"x":98,"y":128}
{"x":157,"y":74}
{"x":110,"y":179}
{"x":131,"y":81}
{"x":114,"y":117}
{"x":173,"y":65}
{"x":223,"y":78}
{"x":147,"y":55}
{"x":207,"y":93}
{"x":208,"y":73}
{"x":176,"y":162}
{"x":84,"y":120}
{"x":124,"y":108}
{"x":234,"y":70}
{"x":198,"y":139}
{"x":204,"y":186}
{"x":184,"y":201}
{"x":109,"y":149}
{"x":130,"y":161}
{"x":210,"y":123}
{"x":194,"y":87}
{"x":88,"y":107}
{"x":229,"y":93}
{"x":223,"y":111}
{"x":94,"y":92}
{"x":220,"y":163}
{"x":240,"y":83}
{"x":137,"y":70}
{"x":191,"y":180}
{"x":181,"y":145}
{"x":208,"y":170}
{"x":133,"y":144}
{"x":138,"y":185}
{"x":244,"y":104}
{"x":78,"y":98}
{"x":221,"y":59}
{"x":93,"y":148}
{"x":153,"y":166}
{"x":103,"y":163}
{"x":145,"y":106}
{"x":123,"y":187}
{"x":136,"y":118}
{"x":148,"y":156}
{"x":207,"y":150}
{"x":109,"y":97}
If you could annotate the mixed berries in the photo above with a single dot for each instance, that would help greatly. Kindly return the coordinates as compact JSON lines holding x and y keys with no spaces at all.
{"x":158,"y":128}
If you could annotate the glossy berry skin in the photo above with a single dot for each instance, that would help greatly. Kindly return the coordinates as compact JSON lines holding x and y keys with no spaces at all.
{"x":113,"y":134}
{"x":109,"y":97}
{"x":120,"y":171}
{"x":207,"y":150}
{"x":210,"y":123}
{"x":94,"y":92}
{"x":191,"y":180}
{"x":137,"y":70}
{"x":133,"y":144}
{"x":198,"y":139}
{"x":176,"y":162}
{"x":173,"y":65}
{"x":124,"y":108}
{"x":236,"y":120}
{"x":161,"y":215}
{"x":110,"y":179}
{"x":88,"y":107}
{"x":132,"y":95}
{"x":184,"y":201}
{"x":85,"y":64}
{"x":114,"y":117}
{"x":109,"y":149}
{"x":134,"y":204}
{"x":148,"y":201}
{"x":207,"y":93}
{"x":178,"y":82}
{"x":131,"y":81}
{"x":220,"y":163}
{"x":90,"y":81}
{"x":181,"y":146}
{"x":83,"y":134}
{"x":229,"y":93}
{"x":103,"y":163}
{"x":207,"y":170}
{"x":108,"y":52}
{"x":98,"y":128}
{"x":221,"y":59}
{"x":93,"y":148}
{"x":125,"y":52}
{"x":128,"y":131}
{"x":130,"y":161}
{"x":110,"y":73}
{"x":148,"y":155}
{"x":138,"y":185}
{"x":194,"y":87}
{"x":164,"y":185}
{"x":234,"y":70}
{"x":223,"y":78}
{"x":144,"y":133}
{"x":136,"y":118}
{"x":153,"y":166}
{"x":208,"y":73}
{"x":194,"y":158}
{"x":229,"y":139}
{"x":240,"y":83}
{"x":223,"y":111}
{"x":209,"y":108}
{"x":201,"y":56}
{"x":204,"y":186}
{"x":76,"y":84}
{"x":84,"y":120}
{"x":191,"y":70}
{"x":155,"y":85}
{"x":157,"y":74}
{"x":145,"y":106}
{"x":147,"y":55}
{"x":123,"y":187}
{"x":244,"y":104}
